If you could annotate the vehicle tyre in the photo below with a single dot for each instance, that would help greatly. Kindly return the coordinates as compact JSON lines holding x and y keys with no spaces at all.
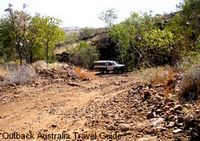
{"x":116,"y":70}
{"x":123,"y":70}
{"x":102,"y":71}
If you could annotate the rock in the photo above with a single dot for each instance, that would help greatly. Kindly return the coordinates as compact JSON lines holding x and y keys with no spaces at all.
{"x":2,"y":78}
{"x":115,"y":99}
{"x":110,"y":127}
{"x":177,"y":131}
{"x":73,"y":84}
{"x":178,"y":107}
{"x":147,"y":95}
{"x":166,"y":108}
{"x":172,"y":117}
{"x":159,"y":85}
{"x":151,"y":115}
{"x":147,"y":139}
{"x":53,"y":126}
{"x":149,"y":130}
{"x":197,"y":111}
{"x":171,"y":124}
{"x":124,"y":127}
{"x":158,"y":110}
{"x":140,"y":109}
{"x":16,"y":96}
{"x":157,"y":121}
{"x":180,"y":119}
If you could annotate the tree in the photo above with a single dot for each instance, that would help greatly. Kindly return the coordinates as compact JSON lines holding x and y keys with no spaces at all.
{"x":128,"y":36}
{"x":108,"y":16}
{"x":16,"y":25}
{"x":147,"y":40}
{"x":48,"y":33}
{"x":7,"y":48}
{"x":27,"y":38}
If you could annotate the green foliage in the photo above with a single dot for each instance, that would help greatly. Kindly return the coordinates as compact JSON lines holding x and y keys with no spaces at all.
{"x":13,"y":34}
{"x":72,"y":38}
{"x":120,"y":33}
{"x":48,"y":34}
{"x":147,"y":40}
{"x":191,"y":11}
{"x":129,"y":35}
{"x":108,"y":16}
{"x":84,"y":55}
{"x":7,"y":40}
{"x":158,"y":45}
{"x":86,"y":33}
{"x":28,"y":38}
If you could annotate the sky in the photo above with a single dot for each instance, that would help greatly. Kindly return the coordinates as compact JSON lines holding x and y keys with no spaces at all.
{"x":84,"y":13}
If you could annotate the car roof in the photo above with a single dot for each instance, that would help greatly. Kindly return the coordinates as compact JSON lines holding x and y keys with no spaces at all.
{"x":104,"y":61}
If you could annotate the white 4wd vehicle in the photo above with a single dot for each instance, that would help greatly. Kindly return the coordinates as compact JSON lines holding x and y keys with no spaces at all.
{"x":108,"y":65}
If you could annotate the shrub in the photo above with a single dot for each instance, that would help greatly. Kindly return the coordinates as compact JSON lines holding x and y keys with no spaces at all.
{"x":84,"y":55}
{"x":18,"y":74}
{"x":190,"y":85}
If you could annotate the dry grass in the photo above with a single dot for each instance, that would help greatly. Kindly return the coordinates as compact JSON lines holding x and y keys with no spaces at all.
{"x":161,"y":75}
{"x":2,"y":74}
{"x":167,"y":78}
{"x":190,"y":86}
{"x":43,"y":65}
{"x":83,"y":74}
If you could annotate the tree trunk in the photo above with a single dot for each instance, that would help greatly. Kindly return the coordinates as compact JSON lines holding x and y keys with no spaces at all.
{"x":139,"y":57}
{"x":19,"y":53}
{"x":29,"y":58}
{"x":47,"y":53}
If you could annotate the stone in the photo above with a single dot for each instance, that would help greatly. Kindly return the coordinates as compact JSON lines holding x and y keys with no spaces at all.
{"x":159,"y":85}
{"x":147,"y":139}
{"x":124,"y":127}
{"x":147,"y":95}
{"x":110,"y":127}
{"x":172,"y":117}
{"x":151,"y":115}
{"x":158,"y":110}
{"x":178,"y":107}
{"x":157,"y":121}
{"x":73,"y":84}
{"x":171,"y":124}
{"x":53,"y":126}
{"x":177,"y":131}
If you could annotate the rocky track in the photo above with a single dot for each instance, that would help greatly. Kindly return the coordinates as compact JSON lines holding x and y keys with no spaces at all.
{"x":109,"y":107}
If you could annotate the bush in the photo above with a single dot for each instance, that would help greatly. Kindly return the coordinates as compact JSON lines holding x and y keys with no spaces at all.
{"x":18,"y":74}
{"x":190,"y":85}
{"x":84,"y":55}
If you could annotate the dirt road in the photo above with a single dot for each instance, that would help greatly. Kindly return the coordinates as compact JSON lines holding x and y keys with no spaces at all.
{"x":54,"y":108}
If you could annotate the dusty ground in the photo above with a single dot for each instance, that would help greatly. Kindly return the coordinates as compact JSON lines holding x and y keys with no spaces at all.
{"x":109,"y":107}
{"x":39,"y":108}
